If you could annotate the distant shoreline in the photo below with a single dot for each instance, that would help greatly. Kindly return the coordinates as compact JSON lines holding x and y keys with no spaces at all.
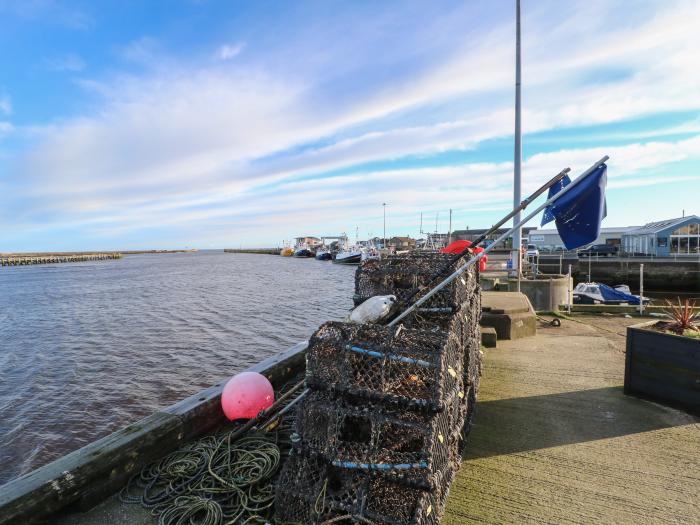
{"x":123,"y":252}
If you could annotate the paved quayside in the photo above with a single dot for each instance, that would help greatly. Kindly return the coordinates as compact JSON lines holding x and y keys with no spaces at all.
{"x":556,"y":441}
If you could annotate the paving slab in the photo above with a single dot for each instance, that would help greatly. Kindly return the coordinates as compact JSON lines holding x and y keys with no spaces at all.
{"x":556,"y":441}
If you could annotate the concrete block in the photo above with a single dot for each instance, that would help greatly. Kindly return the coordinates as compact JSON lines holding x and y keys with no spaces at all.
{"x":489,"y":338}
{"x":511,"y":326}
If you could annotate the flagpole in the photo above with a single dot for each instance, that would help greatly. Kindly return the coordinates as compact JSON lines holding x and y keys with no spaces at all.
{"x":478,"y":257}
{"x":518,"y":153}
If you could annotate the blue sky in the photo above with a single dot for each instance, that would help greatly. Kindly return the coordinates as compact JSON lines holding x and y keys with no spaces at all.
{"x":209,"y":124}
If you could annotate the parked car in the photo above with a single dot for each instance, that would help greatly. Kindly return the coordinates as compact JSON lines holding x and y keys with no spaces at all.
{"x":600,"y":250}
{"x":532,"y":251}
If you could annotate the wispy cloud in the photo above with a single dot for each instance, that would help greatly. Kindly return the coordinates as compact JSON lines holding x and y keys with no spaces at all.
{"x":70,"y":62}
{"x":227,"y":52}
{"x":249,"y":143}
{"x":5,"y":104}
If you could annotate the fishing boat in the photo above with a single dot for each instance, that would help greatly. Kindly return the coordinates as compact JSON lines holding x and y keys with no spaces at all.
{"x":349,"y":256}
{"x":323,"y":254}
{"x":303,"y":252}
{"x":287,"y":251}
{"x":598,"y":293}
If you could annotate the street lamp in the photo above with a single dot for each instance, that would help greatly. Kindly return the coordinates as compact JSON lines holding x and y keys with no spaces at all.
{"x":384,"y":208}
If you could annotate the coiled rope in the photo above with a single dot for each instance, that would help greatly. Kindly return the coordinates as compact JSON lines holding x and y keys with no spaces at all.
{"x":221,"y":479}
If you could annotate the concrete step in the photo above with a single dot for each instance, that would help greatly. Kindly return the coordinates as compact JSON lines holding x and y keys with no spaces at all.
{"x":509,"y":313}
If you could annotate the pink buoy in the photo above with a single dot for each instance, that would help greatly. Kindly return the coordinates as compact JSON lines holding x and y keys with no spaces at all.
{"x":245,"y":395}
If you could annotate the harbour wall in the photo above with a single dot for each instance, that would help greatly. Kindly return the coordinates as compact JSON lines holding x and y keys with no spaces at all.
{"x":21,"y":260}
{"x":264,"y":251}
{"x":659,"y":274}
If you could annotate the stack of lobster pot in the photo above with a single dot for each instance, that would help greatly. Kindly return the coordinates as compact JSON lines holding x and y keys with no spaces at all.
{"x":380,"y":434}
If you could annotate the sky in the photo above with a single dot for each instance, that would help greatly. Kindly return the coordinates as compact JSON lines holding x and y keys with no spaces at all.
{"x":212,"y":124}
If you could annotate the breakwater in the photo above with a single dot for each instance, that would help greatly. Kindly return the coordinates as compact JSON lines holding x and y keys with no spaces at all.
{"x":260,"y":251}
{"x":21,"y":260}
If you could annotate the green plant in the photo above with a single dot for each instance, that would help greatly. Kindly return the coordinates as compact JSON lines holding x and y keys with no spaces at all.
{"x":683,"y":316}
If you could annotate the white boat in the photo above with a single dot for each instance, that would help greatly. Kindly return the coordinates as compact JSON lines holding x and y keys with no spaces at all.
{"x":350,"y":256}
{"x":597,"y":293}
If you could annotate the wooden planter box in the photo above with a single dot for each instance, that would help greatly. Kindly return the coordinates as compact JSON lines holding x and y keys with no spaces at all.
{"x":663,"y":367}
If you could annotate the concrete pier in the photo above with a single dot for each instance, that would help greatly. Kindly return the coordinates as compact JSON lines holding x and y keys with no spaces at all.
{"x":555,"y":440}
{"x":22,"y":260}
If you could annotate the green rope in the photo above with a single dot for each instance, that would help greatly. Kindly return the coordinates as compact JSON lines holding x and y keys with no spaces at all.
{"x":218,"y":480}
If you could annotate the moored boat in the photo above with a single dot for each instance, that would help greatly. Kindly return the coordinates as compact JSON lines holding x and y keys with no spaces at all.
{"x":324,"y":255}
{"x":348,"y":257}
{"x":303,"y":252}
{"x":598,"y":293}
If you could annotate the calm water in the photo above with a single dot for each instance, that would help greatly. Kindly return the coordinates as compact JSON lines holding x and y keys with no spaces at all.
{"x":86,"y":348}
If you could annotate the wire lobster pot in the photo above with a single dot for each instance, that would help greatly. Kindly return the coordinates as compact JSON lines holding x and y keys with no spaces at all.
{"x":311,"y":491}
{"x":410,"y":447}
{"x":412,"y":367}
{"x":401,"y":275}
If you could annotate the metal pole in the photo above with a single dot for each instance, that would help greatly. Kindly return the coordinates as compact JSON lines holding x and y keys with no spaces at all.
{"x":384,"y":208}
{"x":518,"y":153}
{"x":568,"y":292}
{"x":449,"y":232}
{"x":641,"y":289}
{"x":500,"y":239}
{"x":589,"y":267}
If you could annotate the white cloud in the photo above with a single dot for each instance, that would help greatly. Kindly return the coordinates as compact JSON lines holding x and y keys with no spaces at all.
{"x":5,"y":128}
{"x":185,"y":144}
{"x":5,"y":105}
{"x":70,"y":62}
{"x":227,"y":52}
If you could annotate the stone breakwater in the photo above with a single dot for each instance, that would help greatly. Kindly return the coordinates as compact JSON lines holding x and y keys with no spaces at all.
{"x":20,"y":260}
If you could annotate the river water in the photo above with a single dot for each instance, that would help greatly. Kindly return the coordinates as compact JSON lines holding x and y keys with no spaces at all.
{"x":86,"y":348}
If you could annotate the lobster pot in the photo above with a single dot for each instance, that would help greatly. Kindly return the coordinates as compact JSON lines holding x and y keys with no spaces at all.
{"x":310,"y":491}
{"x":410,"y":447}
{"x":401,"y":275}
{"x":410,"y":367}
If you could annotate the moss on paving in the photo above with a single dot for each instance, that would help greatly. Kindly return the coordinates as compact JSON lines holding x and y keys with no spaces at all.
{"x":556,"y":440}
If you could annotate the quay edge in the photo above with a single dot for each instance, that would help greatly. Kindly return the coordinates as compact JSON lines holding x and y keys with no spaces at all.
{"x":83,"y":478}
{"x":262,"y":251}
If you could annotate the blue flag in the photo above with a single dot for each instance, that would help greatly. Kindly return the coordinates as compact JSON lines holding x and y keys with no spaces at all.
{"x":580,"y":211}
{"x":548,"y":216}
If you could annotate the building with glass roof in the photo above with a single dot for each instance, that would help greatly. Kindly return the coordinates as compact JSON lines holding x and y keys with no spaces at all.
{"x":672,"y":237}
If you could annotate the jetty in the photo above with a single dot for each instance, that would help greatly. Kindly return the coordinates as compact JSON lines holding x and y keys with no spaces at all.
{"x":26,"y":259}
{"x":555,"y":440}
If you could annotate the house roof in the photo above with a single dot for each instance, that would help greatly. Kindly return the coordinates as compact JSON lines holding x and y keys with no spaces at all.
{"x":655,"y":227}
{"x":553,"y":231}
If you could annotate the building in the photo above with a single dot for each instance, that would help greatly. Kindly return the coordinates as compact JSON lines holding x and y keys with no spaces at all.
{"x":401,"y":243}
{"x":310,"y":242}
{"x":471,"y":235}
{"x":548,"y":239}
{"x":671,"y":237}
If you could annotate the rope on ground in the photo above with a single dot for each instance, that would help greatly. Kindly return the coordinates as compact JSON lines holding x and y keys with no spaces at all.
{"x":222,"y":479}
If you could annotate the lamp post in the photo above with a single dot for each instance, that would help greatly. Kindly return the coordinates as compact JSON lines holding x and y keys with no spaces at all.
{"x":384,"y":208}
